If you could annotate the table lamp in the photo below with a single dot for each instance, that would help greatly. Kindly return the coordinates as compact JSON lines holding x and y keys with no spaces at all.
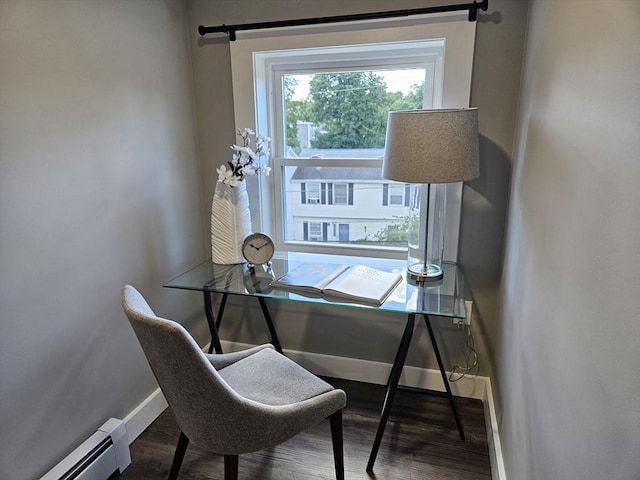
{"x":425,"y":147}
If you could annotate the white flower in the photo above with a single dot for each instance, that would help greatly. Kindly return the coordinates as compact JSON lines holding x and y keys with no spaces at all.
{"x":232,"y":181}
{"x":245,"y":161}
{"x":223,"y":174}
{"x":249,"y":169}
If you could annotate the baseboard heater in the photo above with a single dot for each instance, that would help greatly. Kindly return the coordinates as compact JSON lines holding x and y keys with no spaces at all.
{"x":97,"y":458}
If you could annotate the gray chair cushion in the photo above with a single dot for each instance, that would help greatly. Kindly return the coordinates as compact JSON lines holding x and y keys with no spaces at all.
{"x":271,"y":378}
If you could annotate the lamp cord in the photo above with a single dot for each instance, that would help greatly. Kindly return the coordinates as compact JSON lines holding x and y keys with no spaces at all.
{"x":472,"y":364}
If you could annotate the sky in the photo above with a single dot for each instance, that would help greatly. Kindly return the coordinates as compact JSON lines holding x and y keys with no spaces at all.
{"x":396,"y":80}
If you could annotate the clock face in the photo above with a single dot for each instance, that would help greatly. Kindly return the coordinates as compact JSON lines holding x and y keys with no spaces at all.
{"x":258,"y":248}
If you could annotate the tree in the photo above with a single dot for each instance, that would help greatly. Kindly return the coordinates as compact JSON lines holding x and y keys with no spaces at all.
{"x":295,"y":110}
{"x":394,"y":234}
{"x":350,"y":108}
{"x":413,"y":100}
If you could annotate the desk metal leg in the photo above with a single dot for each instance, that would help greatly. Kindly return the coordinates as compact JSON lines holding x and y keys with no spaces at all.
{"x":215,"y":325}
{"x":272,"y":331}
{"x":445,"y":380}
{"x":394,"y":378}
{"x":223,"y":303}
{"x":392,"y":385}
{"x":215,"y":339}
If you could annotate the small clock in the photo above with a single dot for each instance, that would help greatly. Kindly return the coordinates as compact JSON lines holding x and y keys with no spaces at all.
{"x":258,"y":248}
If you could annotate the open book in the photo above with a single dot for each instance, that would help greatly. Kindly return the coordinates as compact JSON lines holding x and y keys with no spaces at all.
{"x":356,"y":283}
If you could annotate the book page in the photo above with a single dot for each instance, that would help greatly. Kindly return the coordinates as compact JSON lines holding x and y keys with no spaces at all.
{"x":364,"y":284}
{"x":309,"y":276}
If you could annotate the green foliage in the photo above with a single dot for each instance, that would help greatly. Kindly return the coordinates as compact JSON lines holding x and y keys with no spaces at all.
{"x":293,"y":111}
{"x":350,"y":108}
{"x":297,"y":110}
{"x":395,"y":233}
{"x":410,"y":101}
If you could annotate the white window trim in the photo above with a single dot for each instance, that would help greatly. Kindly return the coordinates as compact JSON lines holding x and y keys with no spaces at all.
{"x":455,"y":29}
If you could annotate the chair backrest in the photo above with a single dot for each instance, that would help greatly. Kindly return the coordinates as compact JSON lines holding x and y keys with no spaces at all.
{"x":200,"y":399}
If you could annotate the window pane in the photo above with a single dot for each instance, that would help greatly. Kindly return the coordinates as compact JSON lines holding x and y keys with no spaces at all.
{"x":340,"y":194}
{"x":344,"y":113}
{"x":396,"y":194}
{"x":351,"y":208}
{"x":312,"y":193}
{"x":315,"y":231}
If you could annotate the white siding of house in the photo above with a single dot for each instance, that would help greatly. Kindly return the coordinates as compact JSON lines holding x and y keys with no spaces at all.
{"x":365,"y":217}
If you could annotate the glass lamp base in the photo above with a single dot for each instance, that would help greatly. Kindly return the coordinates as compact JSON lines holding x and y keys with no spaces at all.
{"x":419,"y":273}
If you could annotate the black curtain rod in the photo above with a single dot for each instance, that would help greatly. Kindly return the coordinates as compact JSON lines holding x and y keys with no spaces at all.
{"x":232,"y":29}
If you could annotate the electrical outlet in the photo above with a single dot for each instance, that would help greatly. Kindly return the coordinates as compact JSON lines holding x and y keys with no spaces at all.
{"x":468,"y":305}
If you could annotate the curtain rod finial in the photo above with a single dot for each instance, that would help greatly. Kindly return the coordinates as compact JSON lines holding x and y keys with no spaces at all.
{"x":473,"y":10}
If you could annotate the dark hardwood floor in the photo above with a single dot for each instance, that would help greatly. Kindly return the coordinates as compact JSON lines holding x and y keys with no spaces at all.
{"x":421,"y":442}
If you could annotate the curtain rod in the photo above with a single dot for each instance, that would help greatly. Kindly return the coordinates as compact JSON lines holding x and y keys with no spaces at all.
{"x":232,"y":29}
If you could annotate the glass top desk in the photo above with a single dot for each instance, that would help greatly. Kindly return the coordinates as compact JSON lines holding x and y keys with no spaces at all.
{"x":444,"y":298}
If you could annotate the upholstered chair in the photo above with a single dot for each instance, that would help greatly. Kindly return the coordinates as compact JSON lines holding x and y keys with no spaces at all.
{"x":232,"y":403}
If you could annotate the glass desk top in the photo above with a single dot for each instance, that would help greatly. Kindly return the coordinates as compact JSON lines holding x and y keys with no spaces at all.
{"x":442,"y":298}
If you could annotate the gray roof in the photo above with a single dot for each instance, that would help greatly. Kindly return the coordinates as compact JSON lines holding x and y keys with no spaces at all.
{"x":342,"y":152}
{"x":338,"y":174}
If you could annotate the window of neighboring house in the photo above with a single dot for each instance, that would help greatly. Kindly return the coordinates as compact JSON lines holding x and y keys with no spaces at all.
{"x":323,"y":98}
{"x":313,"y":231}
{"x":311,"y":193}
{"x":395,"y":194}
{"x":340,"y":193}
{"x":325,"y":193}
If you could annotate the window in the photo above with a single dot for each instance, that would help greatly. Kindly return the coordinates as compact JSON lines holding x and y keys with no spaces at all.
{"x":395,"y":194}
{"x":340,"y":194}
{"x":315,"y":231}
{"x":321,"y":193}
{"x":322,"y":96}
{"x":310,"y":193}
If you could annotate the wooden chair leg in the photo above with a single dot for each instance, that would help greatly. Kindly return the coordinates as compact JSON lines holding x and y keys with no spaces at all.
{"x":181,"y":448}
{"x":336,"y":439}
{"x":231,"y":467}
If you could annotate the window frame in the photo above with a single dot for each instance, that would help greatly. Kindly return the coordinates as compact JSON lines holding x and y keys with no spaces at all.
{"x":252,"y":92}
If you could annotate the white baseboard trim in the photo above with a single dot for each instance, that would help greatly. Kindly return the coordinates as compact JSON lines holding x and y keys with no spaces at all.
{"x":144,"y":414}
{"x":493,"y":436}
{"x":358,"y":370}
{"x":375,"y":372}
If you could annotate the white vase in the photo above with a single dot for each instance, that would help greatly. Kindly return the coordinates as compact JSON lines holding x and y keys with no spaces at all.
{"x":230,"y":222}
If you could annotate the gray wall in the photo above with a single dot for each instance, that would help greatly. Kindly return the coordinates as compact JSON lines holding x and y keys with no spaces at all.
{"x":568,"y":372}
{"x":98,"y":187}
{"x":496,"y":79}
